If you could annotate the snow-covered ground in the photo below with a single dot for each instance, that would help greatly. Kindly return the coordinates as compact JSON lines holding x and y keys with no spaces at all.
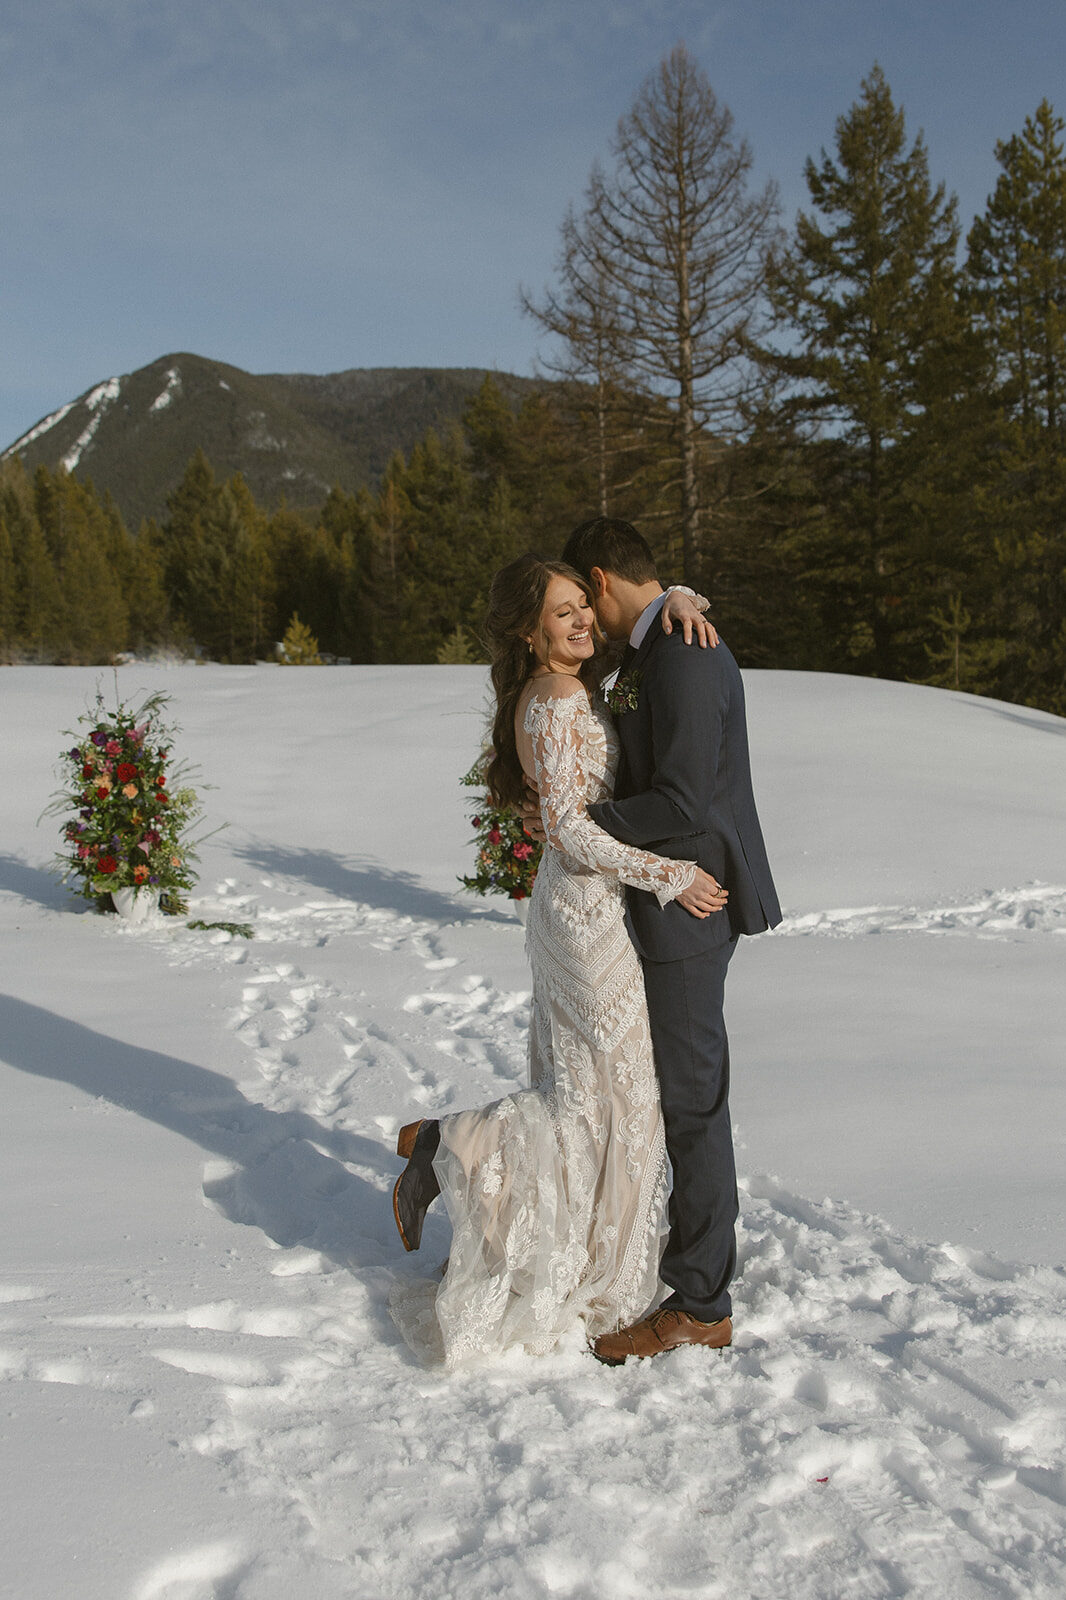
{"x":202,"y":1396}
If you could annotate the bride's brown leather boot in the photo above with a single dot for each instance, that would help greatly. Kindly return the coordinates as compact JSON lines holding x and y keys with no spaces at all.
{"x":417,"y":1186}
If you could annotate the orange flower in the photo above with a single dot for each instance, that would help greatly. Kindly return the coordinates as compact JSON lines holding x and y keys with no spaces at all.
{"x":129,"y":790}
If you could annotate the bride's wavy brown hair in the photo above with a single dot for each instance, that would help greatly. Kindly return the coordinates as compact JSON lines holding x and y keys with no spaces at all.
{"x":516,"y":601}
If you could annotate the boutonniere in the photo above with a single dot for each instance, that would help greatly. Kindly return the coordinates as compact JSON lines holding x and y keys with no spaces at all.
{"x":625,"y":693}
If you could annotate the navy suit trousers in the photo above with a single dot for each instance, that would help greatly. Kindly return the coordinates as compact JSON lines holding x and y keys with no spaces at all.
{"x":685,"y":1000}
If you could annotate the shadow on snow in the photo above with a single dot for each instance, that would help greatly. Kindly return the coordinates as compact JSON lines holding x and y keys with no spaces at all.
{"x":285,"y":1172}
{"x":369,"y":884}
{"x":35,"y":884}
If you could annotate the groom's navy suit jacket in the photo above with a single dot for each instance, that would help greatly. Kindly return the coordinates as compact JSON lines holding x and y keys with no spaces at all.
{"x":683,"y":789}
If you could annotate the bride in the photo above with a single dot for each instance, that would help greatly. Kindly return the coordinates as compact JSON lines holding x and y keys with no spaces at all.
{"x":556,"y":1193}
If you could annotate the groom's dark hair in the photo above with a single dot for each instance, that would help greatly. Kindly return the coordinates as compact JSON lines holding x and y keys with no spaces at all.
{"x":613,"y":545}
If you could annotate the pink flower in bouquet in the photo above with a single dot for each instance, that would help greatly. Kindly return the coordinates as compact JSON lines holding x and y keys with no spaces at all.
{"x":113,"y":747}
{"x":522,"y":852}
{"x":494,"y":836}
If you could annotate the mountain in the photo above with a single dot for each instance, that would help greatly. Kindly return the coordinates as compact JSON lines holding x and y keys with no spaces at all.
{"x":290,"y":434}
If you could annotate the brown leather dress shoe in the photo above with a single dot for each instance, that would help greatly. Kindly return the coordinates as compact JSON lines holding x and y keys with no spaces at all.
{"x":662,"y":1330}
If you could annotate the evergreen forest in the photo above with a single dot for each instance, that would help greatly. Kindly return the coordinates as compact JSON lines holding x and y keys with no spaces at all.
{"x":850,"y":435}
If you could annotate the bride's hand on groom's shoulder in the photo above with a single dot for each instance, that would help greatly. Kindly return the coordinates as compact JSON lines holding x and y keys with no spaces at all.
{"x":687,"y":609}
{"x":703,"y":896}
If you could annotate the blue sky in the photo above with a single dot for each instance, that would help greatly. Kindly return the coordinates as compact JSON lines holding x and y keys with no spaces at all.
{"x":309,"y":185}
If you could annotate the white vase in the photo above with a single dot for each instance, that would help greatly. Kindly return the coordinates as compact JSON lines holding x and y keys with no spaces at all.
{"x":521,"y":910}
{"x":135,"y":905}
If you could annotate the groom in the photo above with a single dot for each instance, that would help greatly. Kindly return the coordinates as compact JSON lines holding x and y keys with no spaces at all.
{"x":683,"y":789}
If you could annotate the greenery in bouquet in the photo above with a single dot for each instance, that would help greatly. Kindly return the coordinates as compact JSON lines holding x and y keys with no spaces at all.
{"x":507,"y":860}
{"x":132,"y":806}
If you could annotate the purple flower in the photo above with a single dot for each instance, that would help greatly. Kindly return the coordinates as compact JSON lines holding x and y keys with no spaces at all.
{"x":87,"y":812}
{"x":99,"y":739}
{"x":75,"y":754}
{"x":154,"y":878}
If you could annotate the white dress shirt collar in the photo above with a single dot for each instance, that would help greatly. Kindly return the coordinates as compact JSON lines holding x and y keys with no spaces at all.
{"x":644,"y":622}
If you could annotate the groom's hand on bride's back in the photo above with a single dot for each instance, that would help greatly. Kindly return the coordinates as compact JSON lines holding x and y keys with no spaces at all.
{"x":704,"y":896}
{"x":529,"y":811}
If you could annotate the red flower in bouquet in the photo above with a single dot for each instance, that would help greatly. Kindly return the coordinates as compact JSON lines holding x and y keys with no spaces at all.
{"x":507,"y":860}
{"x":160,"y":782}
{"x":126,"y":772}
{"x":107,"y":864}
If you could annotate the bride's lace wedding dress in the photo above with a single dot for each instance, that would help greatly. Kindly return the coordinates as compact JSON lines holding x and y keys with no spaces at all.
{"x":556,"y":1193}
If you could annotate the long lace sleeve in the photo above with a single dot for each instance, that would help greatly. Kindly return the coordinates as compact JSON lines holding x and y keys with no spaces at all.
{"x":558,"y":726}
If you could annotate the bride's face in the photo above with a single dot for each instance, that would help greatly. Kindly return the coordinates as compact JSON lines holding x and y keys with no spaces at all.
{"x":563,"y":640}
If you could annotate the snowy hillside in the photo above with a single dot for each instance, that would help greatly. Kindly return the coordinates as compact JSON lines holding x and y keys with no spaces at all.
{"x":202,"y":1396}
{"x":291,"y":435}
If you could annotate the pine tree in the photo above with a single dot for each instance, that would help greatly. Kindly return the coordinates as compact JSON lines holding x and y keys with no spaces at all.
{"x":146,"y":598}
{"x":458,"y":650}
{"x":881,"y":354}
{"x":388,"y":545}
{"x":233,"y":578}
{"x":1017,"y":263}
{"x":346,"y":522}
{"x":90,"y":556}
{"x":37,"y":607}
{"x":299,"y":647}
{"x":447,"y":548}
{"x":191,"y":510}
{"x":7,"y":591}
{"x":1017,"y":267}
{"x":219,"y":580}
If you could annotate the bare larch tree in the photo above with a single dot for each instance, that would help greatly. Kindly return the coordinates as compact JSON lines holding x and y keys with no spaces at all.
{"x":661,"y":276}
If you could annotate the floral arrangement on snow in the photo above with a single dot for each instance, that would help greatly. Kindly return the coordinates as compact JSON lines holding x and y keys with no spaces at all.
{"x":507,"y":860}
{"x":132,"y":809}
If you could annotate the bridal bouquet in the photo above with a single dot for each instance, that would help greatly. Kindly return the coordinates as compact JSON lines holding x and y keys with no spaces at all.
{"x":132,"y":808}
{"x":507,"y":860}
